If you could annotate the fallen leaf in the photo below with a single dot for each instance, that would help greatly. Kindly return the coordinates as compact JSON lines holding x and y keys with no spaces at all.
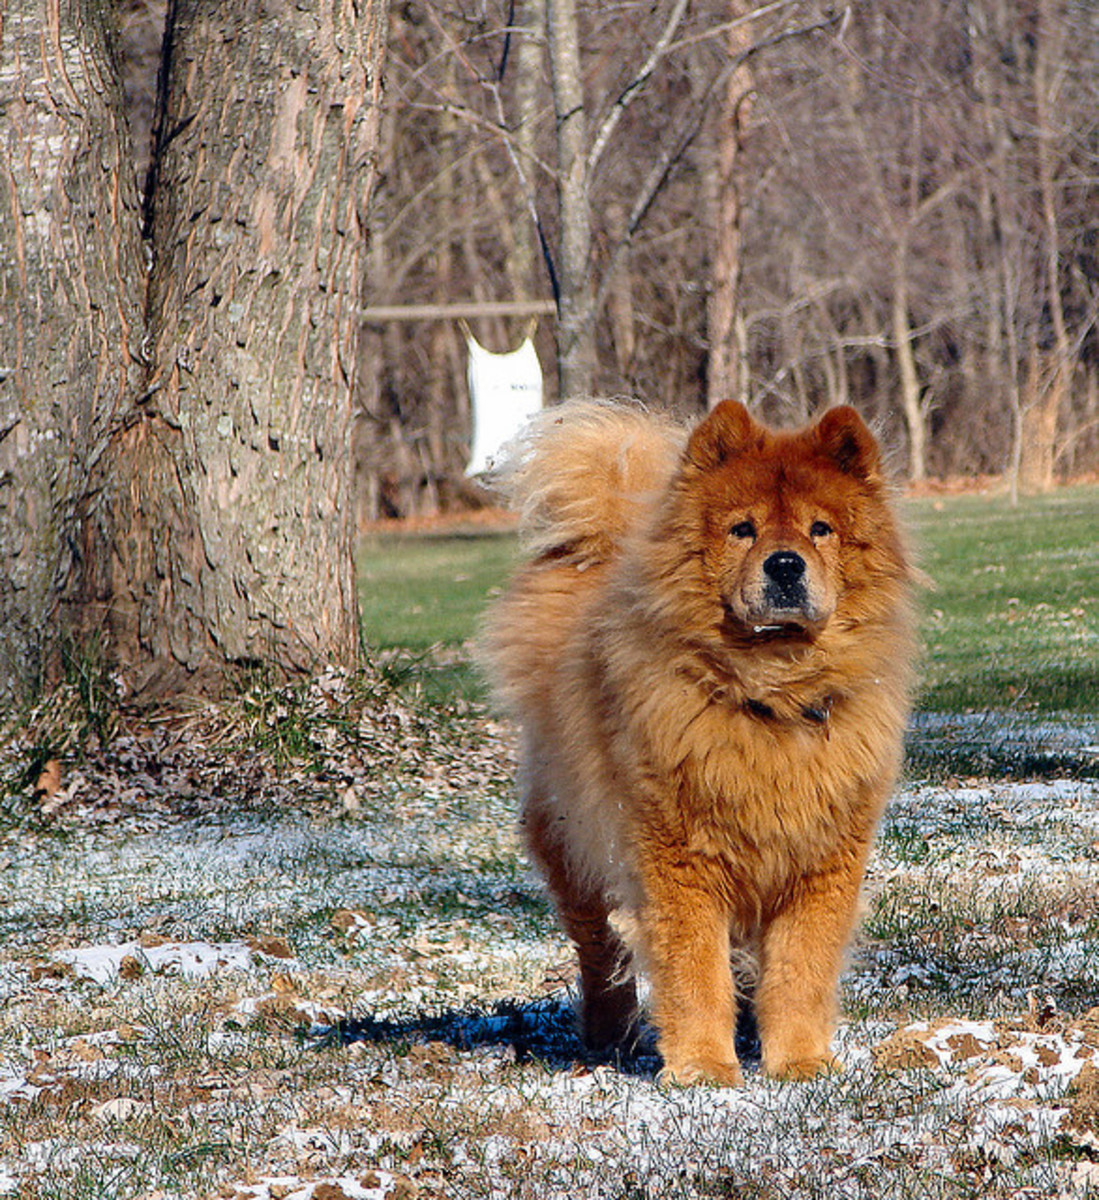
{"x":84,"y":1051}
{"x":49,"y":781}
{"x":350,"y":921}
{"x":329,"y":1191}
{"x":273,"y":947}
{"x":903,"y":1051}
{"x":50,"y":970}
{"x":130,"y":967}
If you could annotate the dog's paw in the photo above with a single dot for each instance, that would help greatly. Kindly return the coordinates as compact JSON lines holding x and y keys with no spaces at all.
{"x":610,"y":1022}
{"x":713,"y":1072}
{"x":799,"y":1069}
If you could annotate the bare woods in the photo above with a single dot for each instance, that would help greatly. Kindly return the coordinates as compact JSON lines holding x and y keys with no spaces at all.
{"x":795,"y":204}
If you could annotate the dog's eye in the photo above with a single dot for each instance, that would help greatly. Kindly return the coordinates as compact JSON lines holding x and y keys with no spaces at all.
{"x":743,"y":529}
{"x":819,"y":529}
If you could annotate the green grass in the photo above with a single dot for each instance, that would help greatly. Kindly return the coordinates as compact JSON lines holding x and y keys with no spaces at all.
{"x":1013,"y":618}
{"x":418,"y":591}
{"x":1011,"y":623}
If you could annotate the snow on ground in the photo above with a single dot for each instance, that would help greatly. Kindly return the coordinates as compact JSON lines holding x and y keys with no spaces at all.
{"x":193,"y":959}
{"x":295,"y":1005}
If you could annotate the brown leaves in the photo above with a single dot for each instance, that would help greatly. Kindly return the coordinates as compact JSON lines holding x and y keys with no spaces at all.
{"x":48,"y":791}
{"x":271,"y":946}
{"x":358,"y":732}
{"x":351,"y":925}
{"x":49,"y":781}
{"x":130,"y":968}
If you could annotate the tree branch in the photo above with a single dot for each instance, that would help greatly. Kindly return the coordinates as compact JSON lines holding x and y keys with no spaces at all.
{"x":599,"y":144}
{"x":686,"y":132}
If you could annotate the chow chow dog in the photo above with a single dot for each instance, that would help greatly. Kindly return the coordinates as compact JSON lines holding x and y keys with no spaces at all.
{"x":708,"y":653}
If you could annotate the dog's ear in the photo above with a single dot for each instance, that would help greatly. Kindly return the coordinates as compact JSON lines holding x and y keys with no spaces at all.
{"x":728,"y":430}
{"x":846,"y":441}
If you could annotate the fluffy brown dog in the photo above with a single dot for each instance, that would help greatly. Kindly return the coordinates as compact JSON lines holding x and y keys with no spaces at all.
{"x":709,"y":656}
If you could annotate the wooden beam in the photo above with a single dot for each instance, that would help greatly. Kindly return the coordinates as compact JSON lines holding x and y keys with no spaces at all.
{"x":452,"y":312}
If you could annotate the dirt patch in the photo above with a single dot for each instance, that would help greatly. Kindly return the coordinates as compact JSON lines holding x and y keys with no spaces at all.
{"x":465,"y":521}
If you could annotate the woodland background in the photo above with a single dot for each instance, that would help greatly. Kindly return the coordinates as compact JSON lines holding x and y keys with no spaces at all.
{"x":215,"y":219}
{"x":893,"y":204}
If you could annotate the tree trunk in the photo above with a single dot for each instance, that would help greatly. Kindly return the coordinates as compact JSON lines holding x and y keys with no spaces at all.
{"x":620,"y":301}
{"x":230,"y":498}
{"x":575,"y":326}
{"x":725,"y":374}
{"x":1043,"y":415}
{"x":377,"y":347}
{"x":71,"y":282}
{"x":1046,"y":390}
{"x":911,"y":408}
{"x":531,"y":21}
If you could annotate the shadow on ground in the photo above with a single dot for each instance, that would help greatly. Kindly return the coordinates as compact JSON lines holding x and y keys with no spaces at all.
{"x":1002,"y":745}
{"x":541,"y":1031}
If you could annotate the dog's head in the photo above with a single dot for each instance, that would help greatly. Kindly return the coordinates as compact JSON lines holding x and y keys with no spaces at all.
{"x":785,"y":524}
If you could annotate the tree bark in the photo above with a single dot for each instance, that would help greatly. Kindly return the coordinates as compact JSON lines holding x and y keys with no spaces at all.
{"x":231,"y":504}
{"x":575,"y":324}
{"x":1051,"y":373}
{"x":725,"y":370}
{"x":529,"y":268}
{"x":911,"y":406}
{"x":71,"y":282}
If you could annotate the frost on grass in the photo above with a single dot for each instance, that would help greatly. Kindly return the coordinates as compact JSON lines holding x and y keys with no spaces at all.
{"x":349,"y":986}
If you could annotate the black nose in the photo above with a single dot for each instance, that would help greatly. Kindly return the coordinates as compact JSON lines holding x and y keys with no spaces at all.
{"x":784,"y":567}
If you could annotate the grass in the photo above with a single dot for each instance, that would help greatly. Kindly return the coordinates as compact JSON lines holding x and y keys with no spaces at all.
{"x":1012,"y":622}
{"x":385,"y":854}
{"x":416,"y":592}
{"x":457,"y":1074}
{"x":420,"y":593}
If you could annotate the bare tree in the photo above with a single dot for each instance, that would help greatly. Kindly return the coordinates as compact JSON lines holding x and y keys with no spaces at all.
{"x":70,"y":311}
{"x":727,"y":362}
{"x":882,"y":207}
{"x":576,"y":337}
{"x":209,"y":410}
{"x":1051,"y":370}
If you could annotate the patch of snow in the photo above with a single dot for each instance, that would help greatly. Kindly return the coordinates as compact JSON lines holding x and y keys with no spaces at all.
{"x":193,"y":960}
{"x":436,"y":919}
{"x":14,"y":1086}
{"x":377,"y":1186}
{"x":320,"y":1017}
{"x":324,"y":1141}
{"x":55,"y":1155}
{"x":1013,"y":1081}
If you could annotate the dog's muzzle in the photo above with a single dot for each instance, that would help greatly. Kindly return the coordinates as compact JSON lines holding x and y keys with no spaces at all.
{"x":785,"y":581}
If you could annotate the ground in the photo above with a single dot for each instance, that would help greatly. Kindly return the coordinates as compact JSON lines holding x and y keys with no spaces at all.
{"x":289,"y":948}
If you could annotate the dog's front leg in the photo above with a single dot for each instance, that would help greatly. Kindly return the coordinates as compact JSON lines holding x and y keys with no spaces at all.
{"x":686,"y":936}
{"x":801,"y":954}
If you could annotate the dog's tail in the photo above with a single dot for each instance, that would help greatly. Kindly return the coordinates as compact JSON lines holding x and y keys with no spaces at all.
{"x":580,"y":474}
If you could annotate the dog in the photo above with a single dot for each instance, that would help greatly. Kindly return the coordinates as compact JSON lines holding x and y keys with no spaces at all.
{"x":709,"y":652}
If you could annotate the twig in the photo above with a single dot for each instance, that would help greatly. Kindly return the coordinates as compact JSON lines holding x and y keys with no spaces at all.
{"x":612,"y":118}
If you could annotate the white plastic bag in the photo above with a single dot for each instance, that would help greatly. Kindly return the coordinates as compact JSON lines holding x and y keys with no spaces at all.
{"x":504,"y":390}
